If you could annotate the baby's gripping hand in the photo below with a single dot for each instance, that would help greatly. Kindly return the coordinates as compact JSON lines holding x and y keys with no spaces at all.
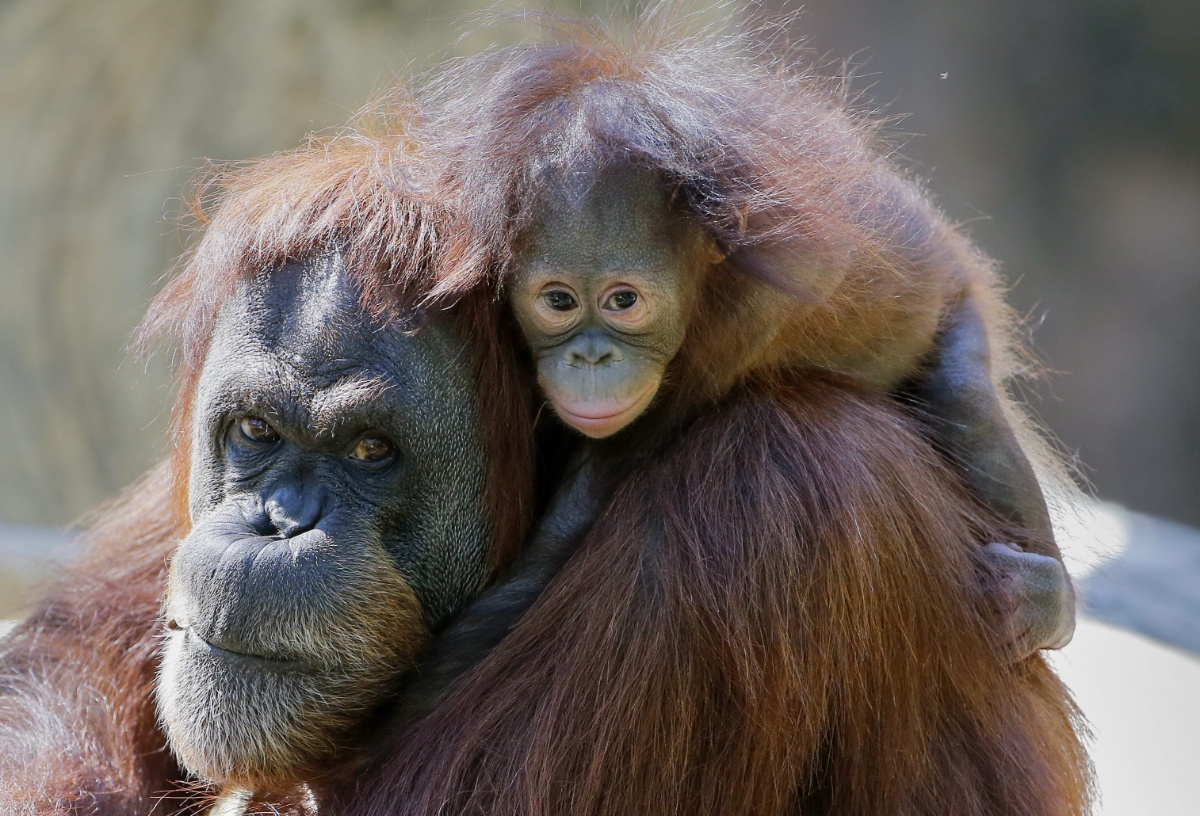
{"x":1032,"y":596}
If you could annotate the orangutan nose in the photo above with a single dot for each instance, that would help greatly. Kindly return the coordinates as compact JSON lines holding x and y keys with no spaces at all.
{"x":292,"y":511}
{"x":591,"y":350}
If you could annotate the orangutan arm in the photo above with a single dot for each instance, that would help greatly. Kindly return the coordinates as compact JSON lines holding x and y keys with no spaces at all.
{"x":490,"y":617}
{"x":1028,"y":586}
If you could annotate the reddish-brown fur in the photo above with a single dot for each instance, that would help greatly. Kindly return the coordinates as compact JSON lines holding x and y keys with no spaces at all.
{"x":80,"y":724}
{"x":78,"y":727}
{"x":774,"y":608}
{"x":773,"y":614}
{"x":777,"y":601}
{"x":791,"y":187}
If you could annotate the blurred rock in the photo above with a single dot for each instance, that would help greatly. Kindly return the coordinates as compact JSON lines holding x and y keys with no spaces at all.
{"x":1152,"y":585}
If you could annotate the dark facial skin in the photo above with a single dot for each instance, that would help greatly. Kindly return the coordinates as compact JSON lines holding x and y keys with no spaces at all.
{"x":602,"y":293}
{"x":337,"y":516}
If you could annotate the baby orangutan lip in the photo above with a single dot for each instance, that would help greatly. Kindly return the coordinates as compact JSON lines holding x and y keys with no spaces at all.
{"x":595,"y":427}
{"x":605,"y":419}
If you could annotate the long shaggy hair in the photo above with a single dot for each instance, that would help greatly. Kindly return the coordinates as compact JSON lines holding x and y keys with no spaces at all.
{"x":776,"y":614}
{"x":78,"y":725}
{"x":773,"y":614}
{"x":778,"y":609}
{"x":793,"y":187}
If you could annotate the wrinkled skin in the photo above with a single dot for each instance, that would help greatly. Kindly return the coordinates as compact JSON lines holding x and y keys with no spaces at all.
{"x":602,"y":295}
{"x":331,"y":530}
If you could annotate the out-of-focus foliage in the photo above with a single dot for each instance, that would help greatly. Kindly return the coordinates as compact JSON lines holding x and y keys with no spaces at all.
{"x":1070,"y":125}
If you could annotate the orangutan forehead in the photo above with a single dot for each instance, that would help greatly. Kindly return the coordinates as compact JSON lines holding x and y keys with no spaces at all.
{"x":308,"y":312}
{"x":618,"y":215}
{"x":298,"y":335}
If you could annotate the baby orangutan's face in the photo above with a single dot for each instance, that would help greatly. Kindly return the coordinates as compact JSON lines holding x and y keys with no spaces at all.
{"x":602,"y":292}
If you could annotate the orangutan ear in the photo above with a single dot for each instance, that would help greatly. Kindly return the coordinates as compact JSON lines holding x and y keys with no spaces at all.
{"x":714,"y":253}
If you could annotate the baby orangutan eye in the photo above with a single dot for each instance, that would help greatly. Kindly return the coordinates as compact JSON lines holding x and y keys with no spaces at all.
{"x":625,"y":308}
{"x":560,"y":301}
{"x":372,"y":449}
{"x":257,"y":429}
{"x":621,"y":300}
{"x":556,"y":308}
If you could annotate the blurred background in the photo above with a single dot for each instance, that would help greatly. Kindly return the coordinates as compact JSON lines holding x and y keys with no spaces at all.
{"x":1064,"y":133}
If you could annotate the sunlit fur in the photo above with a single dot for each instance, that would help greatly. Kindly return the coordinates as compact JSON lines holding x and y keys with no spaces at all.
{"x":78,"y":728}
{"x":779,"y":604}
{"x":793,"y":187}
{"x":364,"y":192}
{"x":774,"y":610}
{"x":332,"y":194}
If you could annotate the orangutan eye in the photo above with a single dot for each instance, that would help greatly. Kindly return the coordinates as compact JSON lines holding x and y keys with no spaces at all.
{"x":372,"y":449}
{"x":257,"y":429}
{"x":560,"y":301}
{"x":621,"y":300}
{"x":556,"y":308}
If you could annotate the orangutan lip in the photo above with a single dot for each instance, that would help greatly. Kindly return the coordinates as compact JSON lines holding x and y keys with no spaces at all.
{"x":597,"y":417}
{"x":632,"y":404}
{"x":199,"y":643}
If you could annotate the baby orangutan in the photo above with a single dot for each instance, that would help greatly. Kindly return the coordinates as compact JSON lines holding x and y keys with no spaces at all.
{"x":613,"y":281}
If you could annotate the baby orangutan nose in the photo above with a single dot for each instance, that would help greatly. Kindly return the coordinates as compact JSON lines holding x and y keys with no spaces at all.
{"x":589,"y":350}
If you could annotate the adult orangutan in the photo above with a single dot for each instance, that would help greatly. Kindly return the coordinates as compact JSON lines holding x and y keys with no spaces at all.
{"x":796,"y":628}
{"x":337,"y":490}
